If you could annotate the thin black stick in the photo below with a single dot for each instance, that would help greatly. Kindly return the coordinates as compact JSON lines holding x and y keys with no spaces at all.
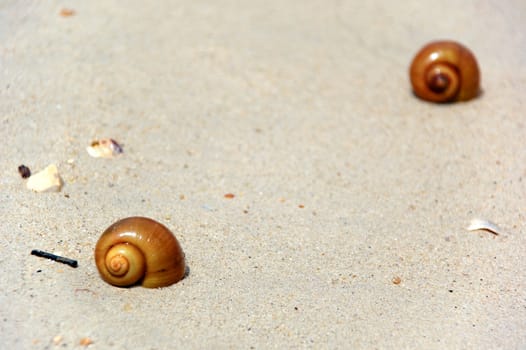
{"x":67,"y":261}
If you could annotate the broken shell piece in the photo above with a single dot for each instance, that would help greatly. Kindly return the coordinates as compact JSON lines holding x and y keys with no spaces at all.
{"x":47,"y":180}
{"x":105,"y":148}
{"x":479,"y":224}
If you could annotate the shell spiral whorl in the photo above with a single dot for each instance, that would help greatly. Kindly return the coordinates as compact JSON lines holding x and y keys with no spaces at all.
{"x":445,"y":71}
{"x":125,"y":262}
{"x":139,"y":250}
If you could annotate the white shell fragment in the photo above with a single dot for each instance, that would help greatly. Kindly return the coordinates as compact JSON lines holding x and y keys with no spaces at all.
{"x":47,"y":180}
{"x":479,"y":224}
{"x":105,"y":148}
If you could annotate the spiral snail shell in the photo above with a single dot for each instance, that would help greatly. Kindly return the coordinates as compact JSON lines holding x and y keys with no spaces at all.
{"x":139,"y":250}
{"x":445,"y":71}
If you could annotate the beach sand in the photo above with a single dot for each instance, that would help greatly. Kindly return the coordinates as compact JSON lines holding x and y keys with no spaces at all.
{"x":347,"y":228}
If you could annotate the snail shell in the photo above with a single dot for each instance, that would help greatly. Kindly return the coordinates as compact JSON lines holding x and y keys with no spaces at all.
{"x":139,"y":250}
{"x":445,"y":71}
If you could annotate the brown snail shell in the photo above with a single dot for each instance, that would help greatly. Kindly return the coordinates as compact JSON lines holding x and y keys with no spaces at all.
{"x":445,"y":71}
{"x":139,"y":250}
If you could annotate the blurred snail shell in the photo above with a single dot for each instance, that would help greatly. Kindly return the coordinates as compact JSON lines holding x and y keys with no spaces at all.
{"x":139,"y":250}
{"x":445,"y":71}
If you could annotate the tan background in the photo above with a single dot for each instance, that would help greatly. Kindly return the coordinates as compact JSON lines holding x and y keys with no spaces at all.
{"x":283,"y":103}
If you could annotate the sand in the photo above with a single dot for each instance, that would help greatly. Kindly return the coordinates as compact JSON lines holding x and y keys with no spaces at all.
{"x":347,"y":228}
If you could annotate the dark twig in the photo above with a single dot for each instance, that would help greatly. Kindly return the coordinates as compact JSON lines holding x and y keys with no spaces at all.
{"x":61,"y":259}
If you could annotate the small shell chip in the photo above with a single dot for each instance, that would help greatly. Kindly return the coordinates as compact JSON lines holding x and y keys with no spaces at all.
{"x":47,"y":180}
{"x":480,"y":224}
{"x":105,"y":148}
{"x":57,"y":339}
{"x":85,"y":341}
{"x":65,"y":12}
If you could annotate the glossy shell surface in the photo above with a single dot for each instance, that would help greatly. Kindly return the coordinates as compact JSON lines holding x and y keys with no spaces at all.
{"x":139,"y":250}
{"x":445,"y":71}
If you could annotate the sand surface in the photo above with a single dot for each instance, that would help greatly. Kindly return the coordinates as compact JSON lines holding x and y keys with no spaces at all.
{"x":343,"y":180}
